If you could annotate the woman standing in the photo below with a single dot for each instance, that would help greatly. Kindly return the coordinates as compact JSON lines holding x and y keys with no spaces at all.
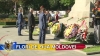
{"x":56,"y":17}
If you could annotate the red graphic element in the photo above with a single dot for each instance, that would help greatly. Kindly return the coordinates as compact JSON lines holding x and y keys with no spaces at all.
{"x":1,"y":51}
{"x":69,"y":46}
{"x":80,"y":46}
{"x":3,"y":37}
{"x":4,"y":54}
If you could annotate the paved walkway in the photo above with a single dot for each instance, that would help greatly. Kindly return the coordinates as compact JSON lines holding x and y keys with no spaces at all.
{"x":11,"y":34}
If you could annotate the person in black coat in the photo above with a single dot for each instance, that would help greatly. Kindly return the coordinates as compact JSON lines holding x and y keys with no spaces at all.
{"x":31,"y":23}
{"x":20,"y":21}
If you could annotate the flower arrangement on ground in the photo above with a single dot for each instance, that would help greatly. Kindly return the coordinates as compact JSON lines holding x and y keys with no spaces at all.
{"x":50,"y":24}
{"x":71,"y":31}
{"x":55,"y":28}
{"x":36,"y":32}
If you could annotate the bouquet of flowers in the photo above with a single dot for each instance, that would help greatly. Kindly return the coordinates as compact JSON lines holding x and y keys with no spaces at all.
{"x":82,"y":35}
{"x":36,"y":32}
{"x":71,"y":31}
{"x":55,"y":28}
{"x":50,"y":24}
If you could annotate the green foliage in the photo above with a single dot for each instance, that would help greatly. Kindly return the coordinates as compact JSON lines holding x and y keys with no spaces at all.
{"x":66,"y":42}
{"x":92,"y":49}
{"x":21,"y":2}
{"x":67,"y":2}
{"x":48,"y":4}
{"x":53,"y":3}
{"x":2,"y":23}
{"x":7,"y":23}
{"x":12,"y":16}
{"x":6,"y":6}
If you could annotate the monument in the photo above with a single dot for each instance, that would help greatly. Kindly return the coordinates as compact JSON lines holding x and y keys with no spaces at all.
{"x":81,"y":9}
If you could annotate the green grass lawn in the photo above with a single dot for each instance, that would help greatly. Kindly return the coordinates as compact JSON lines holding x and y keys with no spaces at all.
{"x":92,"y":49}
{"x":71,"y":39}
{"x":65,"y":43}
{"x":2,"y":25}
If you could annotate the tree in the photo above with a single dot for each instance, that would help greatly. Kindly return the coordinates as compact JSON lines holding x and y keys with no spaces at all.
{"x":48,"y":4}
{"x":6,"y":8}
{"x":53,"y":4}
{"x":21,"y":2}
{"x":68,"y":3}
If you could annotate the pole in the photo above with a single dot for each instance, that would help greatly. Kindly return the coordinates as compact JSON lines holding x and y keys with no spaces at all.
{"x":15,"y":9}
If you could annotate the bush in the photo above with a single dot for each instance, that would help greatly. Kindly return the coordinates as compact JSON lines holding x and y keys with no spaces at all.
{"x":8,"y":20}
{"x":10,"y":23}
{"x":3,"y":16}
{"x":7,"y":23}
{"x":2,"y":23}
{"x":12,"y":16}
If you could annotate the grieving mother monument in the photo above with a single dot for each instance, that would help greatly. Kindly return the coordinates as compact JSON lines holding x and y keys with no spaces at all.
{"x":82,"y":11}
{"x":82,"y":8}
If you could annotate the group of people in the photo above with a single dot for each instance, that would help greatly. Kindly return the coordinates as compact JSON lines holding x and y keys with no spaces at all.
{"x":44,"y":18}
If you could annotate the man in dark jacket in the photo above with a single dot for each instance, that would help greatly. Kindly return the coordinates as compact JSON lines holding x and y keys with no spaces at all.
{"x":31,"y":23}
{"x":20,"y":21}
{"x":42,"y":26}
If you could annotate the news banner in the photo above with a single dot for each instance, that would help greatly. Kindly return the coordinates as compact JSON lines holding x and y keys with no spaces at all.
{"x":32,"y":46}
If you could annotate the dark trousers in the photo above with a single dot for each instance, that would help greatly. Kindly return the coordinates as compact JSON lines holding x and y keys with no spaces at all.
{"x":19,"y":29}
{"x":30,"y":32}
{"x":42,"y":36}
{"x":97,"y":30}
{"x":16,"y":23}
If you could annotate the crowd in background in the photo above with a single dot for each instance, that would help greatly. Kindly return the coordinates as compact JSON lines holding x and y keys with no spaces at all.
{"x":53,"y":16}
